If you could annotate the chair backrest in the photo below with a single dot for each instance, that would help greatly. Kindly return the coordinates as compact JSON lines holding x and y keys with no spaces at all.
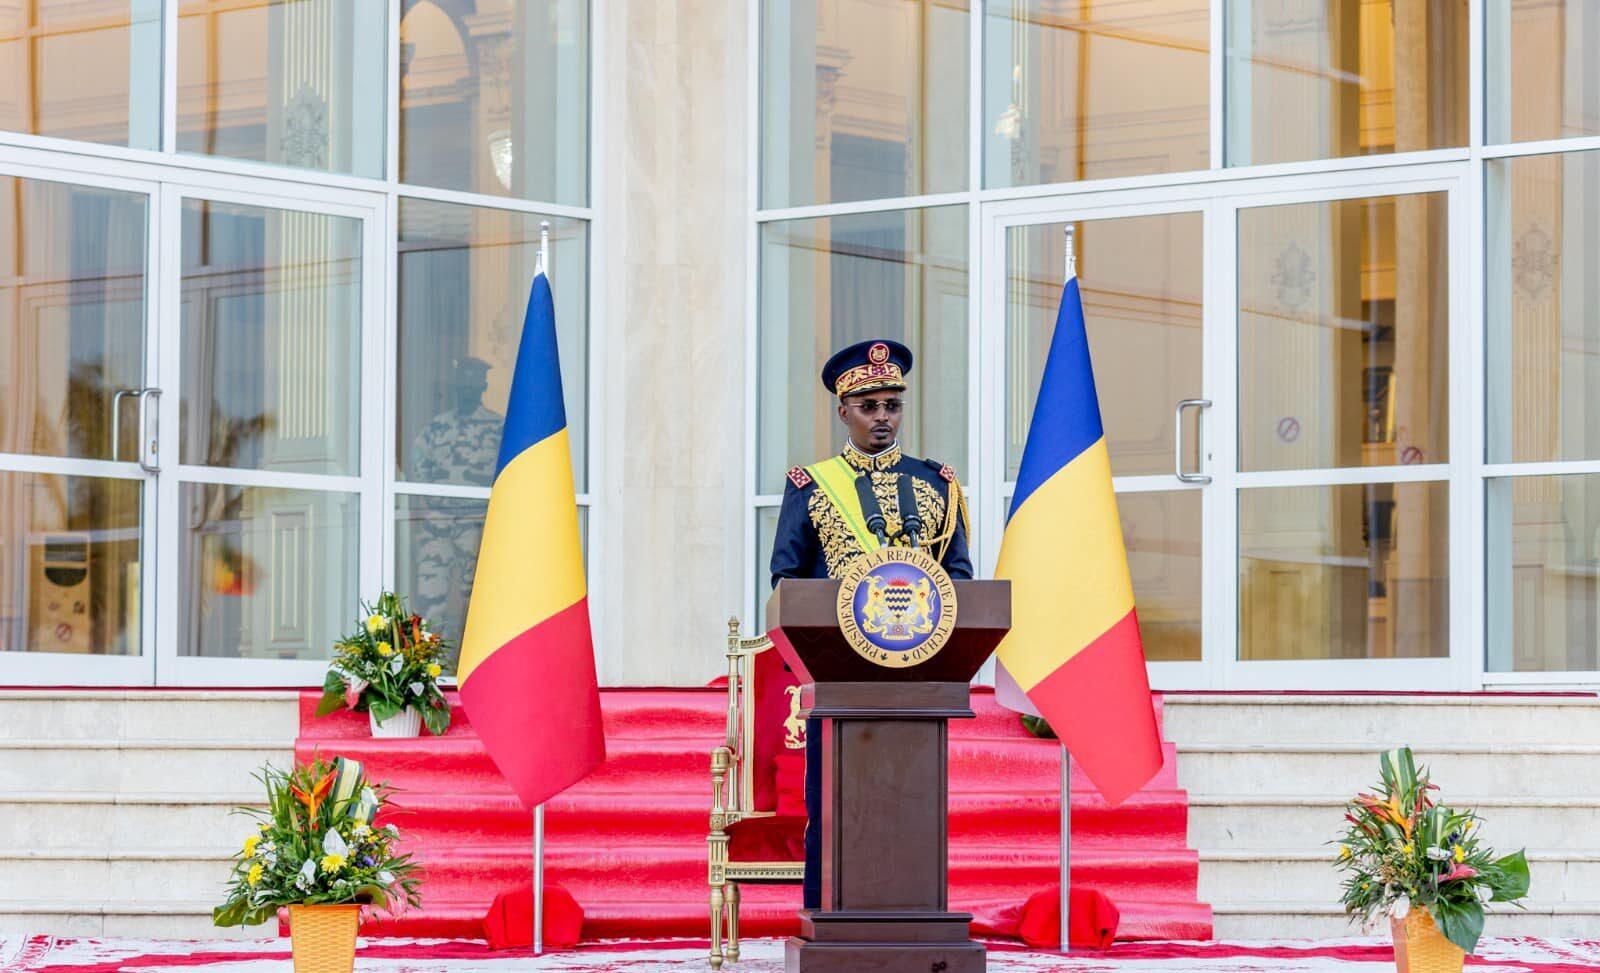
{"x":763,"y":719}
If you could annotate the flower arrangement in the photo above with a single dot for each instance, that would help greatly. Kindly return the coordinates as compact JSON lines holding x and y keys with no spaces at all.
{"x":391,"y":662}
{"x":315,"y":844}
{"x":1401,"y":851}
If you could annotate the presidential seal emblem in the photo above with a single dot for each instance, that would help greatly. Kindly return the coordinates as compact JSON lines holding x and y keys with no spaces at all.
{"x":897,"y":606}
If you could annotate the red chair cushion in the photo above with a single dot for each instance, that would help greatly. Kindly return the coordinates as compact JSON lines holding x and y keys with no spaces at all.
{"x":779,"y":732}
{"x":774,"y":839}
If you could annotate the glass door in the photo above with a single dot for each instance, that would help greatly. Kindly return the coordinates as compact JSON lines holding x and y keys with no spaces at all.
{"x":1342,"y":503}
{"x":1142,"y":276}
{"x":79,"y":449}
{"x":272,"y":514}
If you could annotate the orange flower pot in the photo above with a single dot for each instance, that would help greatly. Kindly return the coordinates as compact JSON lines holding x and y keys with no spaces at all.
{"x":1419,"y":946}
{"x":324,"y":937}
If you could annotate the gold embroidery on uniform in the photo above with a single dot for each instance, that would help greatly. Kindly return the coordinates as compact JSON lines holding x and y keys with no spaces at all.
{"x":839,"y":545}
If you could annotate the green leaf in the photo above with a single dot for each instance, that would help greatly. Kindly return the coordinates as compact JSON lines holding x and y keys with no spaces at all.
{"x":384,"y":709}
{"x":1461,"y":922}
{"x":229,"y":913}
{"x":437,"y":719}
{"x":332,"y":701}
{"x":333,"y":681}
{"x":1515,"y":869}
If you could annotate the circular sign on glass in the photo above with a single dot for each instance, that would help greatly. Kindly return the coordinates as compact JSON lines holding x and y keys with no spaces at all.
{"x":897,"y":606}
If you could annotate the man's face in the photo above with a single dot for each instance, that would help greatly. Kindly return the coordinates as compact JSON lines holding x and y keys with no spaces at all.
{"x":873,"y":418}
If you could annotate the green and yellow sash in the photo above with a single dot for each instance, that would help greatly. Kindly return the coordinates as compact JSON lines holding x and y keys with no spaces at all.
{"x":836,"y":478}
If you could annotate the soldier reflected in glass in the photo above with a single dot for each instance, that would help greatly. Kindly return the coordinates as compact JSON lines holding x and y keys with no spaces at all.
{"x":460,"y":444}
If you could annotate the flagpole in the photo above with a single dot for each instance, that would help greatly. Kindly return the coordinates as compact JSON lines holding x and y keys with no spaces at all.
{"x":541,"y":267}
{"x":1066,"y":758}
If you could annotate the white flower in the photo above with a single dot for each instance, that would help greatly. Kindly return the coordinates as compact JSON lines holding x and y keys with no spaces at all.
{"x":333,"y":844}
{"x":393,"y":831}
{"x":1401,"y":907}
{"x":358,"y":685}
{"x":417,"y":689}
{"x":397,"y":665}
{"x":308,"y":875}
{"x":385,"y":878}
{"x":1438,"y":854}
{"x":368,"y":797}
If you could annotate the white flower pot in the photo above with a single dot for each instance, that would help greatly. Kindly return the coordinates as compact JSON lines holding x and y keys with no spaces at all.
{"x":406,"y":723}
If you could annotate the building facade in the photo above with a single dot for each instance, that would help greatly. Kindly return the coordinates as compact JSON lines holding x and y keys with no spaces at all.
{"x":264,"y":267}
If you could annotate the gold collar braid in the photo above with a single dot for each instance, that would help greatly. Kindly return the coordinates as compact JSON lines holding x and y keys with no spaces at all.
{"x":872,"y":462}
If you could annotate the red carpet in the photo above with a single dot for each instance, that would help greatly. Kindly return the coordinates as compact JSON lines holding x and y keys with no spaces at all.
{"x":629,"y":842}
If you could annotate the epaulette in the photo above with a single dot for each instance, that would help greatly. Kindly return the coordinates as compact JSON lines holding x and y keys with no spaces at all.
{"x":799,"y":477}
{"x":946,"y":471}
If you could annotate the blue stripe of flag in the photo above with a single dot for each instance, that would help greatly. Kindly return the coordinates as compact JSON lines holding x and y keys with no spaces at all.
{"x":1066,"y":417}
{"x":536,"y":411}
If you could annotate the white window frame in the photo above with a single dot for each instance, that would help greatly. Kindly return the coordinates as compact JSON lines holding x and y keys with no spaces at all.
{"x":165,"y":177}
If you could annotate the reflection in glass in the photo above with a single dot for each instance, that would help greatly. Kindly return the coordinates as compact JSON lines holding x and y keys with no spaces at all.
{"x":70,"y":569}
{"x":72,"y":317}
{"x":494,"y":97}
{"x":265,"y":573}
{"x":1344,"y":313}
{"x":1544,"y":574}
{"x":1344,"y":572}
{"x":1543,"y":318}
{"x":88,"y":70}
{"x":1539,"y":69}
{"x":295,"y":82}
{"x":1077,"y":91}
{"x":465,"y":273}
{"x":1140,"y":278}
{"x":435,"y":556}
{"x":1162,"y":532}
{"x":271,"y":338}
{"x":766,"y":534}
{"x":827,"y":283}
{"x":862,"y":99}
{"x":1339,"y":78}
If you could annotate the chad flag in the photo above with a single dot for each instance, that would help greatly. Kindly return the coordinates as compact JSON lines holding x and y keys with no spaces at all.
{"x":1074,"y":643}
{"x":527,"y":661}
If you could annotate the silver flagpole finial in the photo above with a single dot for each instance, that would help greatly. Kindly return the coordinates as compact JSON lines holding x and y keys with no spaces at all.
{"x":1072,"y":256}
{"x":543,"y":266}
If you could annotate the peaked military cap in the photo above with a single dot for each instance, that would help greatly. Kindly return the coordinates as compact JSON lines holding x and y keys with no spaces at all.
{"x":867,"y":366}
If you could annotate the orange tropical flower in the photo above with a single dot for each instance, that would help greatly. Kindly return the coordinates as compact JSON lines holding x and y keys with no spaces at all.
{"x":314,"y":799}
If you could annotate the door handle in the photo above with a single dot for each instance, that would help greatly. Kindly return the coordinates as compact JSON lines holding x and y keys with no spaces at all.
{"x":116,"y":422}
{"x":147,"y":441}
{"x":1199,"y":441}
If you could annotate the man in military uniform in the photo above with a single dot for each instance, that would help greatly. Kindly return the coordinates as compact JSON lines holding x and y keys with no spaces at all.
{"x":460,"y":445}
{"x":869,"y":495}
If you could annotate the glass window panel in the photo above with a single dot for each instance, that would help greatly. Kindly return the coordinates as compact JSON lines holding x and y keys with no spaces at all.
{"x":494,"y":97}
{"x":293,"y":82}
{"x":1343,"y":333}
{"x":1543,"y":321}
{"x":271,"y":339}
{"x":1344,"y":572}
{"x":827,"y":283}
{"x":436,"y":555}
{"x":1340,"y":78}
{"x":69,"y":564}
{"x":72,"y":317}
{"x":1078,"y":91}
{"x":82,"y":69}
{"x":265,"y":573}
{"x":1141,"y":283}
{"x":862,"y":99}
{"x":1539,"y":71}
{"x":1163,"y":536}
{"x":1544,"y":562}
{"x":465,"y":274}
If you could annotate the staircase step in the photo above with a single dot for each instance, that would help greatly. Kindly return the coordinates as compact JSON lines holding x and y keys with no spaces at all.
{"x":117,"y":919}
{"x":1253,"y":821}
{"x":1317,"y":919}
{"x":97,"y":764}
{"x":1232,"y":876}
{"x":43,"y":820}
{"x":1345,"y":767}
{"x":1512,"y":719}
{"x":99,"y":714}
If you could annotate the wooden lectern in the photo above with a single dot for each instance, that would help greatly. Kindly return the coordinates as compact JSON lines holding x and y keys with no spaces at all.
{"x":885,"y":905}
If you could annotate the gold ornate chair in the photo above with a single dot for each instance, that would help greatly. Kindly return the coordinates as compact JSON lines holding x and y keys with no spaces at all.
{"x":754,"y":829}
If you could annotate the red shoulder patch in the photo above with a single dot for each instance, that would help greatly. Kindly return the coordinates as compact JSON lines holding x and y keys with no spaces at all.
{"x":799,"y":477}
{"x":948,"y":472}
